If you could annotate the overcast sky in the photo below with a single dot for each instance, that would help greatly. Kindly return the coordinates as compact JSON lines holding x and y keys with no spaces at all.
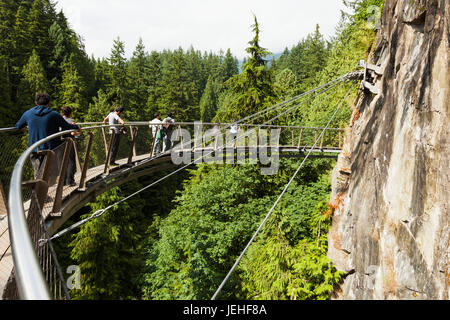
{"x":207,"y":25}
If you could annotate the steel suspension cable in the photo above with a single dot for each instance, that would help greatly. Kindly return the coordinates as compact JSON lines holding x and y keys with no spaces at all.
{"x":278,"y":199}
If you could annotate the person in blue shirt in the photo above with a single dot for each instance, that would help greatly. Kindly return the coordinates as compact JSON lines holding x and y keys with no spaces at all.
{"x":42,"y":122}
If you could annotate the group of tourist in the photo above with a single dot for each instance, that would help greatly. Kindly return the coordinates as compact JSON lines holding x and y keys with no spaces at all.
{"x":43,"y":122}
{"x":161,"y":131}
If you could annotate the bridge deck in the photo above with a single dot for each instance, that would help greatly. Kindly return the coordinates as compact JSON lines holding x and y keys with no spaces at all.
{"x":6,"y":259}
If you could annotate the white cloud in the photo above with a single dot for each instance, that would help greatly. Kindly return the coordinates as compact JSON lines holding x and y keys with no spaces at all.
{"x":207,"y":25}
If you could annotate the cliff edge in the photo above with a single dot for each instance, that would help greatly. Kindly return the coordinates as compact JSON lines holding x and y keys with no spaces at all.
{"x":390,"y":227}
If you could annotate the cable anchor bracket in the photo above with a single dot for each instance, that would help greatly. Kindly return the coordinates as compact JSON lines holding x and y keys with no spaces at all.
{"x":371,"y":75}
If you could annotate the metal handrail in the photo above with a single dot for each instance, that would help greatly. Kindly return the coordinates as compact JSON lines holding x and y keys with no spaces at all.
{"x":139,"y":123}
{"x":28,"y":272}
{"x":8,"y":129}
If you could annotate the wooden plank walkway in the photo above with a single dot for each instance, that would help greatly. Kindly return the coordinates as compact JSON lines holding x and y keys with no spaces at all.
{"x":6,"y":259}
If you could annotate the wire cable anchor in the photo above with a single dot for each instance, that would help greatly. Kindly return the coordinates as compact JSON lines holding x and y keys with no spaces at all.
{"x":371,"y":75}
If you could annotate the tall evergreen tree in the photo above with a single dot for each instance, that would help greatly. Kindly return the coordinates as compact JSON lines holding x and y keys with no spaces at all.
{"x":100,"y":74}
{"x":196,"y":75}
{"x":99,"y":108}
{"x":61,"y":51}
{"x":253,"y":88}
{"x":179,"y":94}
{"x":7,"y":18}
{"x":305,"y":59}
{"x":138,"y":75}
{"x":208,"y":102}
{"x":118,"y":78}
{"x":229,"y":66}
{"x":21,"y":42}
{"x":154,"y":92}
{"x":5,"y":114}
{"x":73,"y":90}
{"x":34,"y":80}
{"x":40,"y":19}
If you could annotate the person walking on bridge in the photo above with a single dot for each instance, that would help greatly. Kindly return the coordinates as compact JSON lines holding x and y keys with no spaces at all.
{"x":42,"y":122}
{"x":167,"y":129}
{"x":114,"y":119}
{"x":156,"y":131}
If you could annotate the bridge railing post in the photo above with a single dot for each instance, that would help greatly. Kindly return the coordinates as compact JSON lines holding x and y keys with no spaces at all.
{"x":82,"y":184}
{"x":300,"y":138}
{"x":133,"y":144}
{"x":321,"y":140}
{"x":315,"y":135}
{"x":42,"y":181}
{"x":154,"y":138}
{"x":3,"y":206}
{"x":77,"y":157}
{"x":133,"y":137}
{"x":57,"y":204}
{"x":105,"y":141}
{"x":269,"y":135}
{"x":293,"y":137}
{"x":109,"y":152}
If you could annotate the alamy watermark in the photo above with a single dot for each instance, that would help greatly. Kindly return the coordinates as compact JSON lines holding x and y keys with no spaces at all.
{"x":74,"y":281}
{"x":374,"y":20}
{"x":250,"y":146}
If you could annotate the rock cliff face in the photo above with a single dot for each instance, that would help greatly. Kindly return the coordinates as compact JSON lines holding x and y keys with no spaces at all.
{"x":390,"y":231}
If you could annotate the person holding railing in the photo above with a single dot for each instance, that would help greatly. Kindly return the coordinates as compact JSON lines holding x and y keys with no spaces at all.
{"x":156,"y":131}
{"x":114,"y":118}
{"x":167,"y":130}
{"x":42,"y":122}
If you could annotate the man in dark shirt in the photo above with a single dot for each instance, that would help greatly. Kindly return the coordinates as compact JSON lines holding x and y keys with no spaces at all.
{"x":167,"y":128}
{"x":43,"y":122}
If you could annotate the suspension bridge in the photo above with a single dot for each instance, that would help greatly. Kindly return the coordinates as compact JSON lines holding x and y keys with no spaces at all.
{"x":36,"y":208}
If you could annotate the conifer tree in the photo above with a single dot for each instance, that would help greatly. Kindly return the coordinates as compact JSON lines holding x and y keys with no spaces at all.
{"x":118,"y":78}
{"x":34,"y":80}
{"x":179,"y":94}
{"x":138,"y":75}
{"x":40,"y":18}
{"x":154,"y":92}
{"x":72,"y":90}
{"x":208,"y":102}
{"x":7,"y":18}
{"x":21,"y":42}
{"x":253,"y":88}
{"x":195,"y":72}
{"x":100,"y":73}
{"x":99,"y":108}
{"x":5,"y":115}
{"x":229,"y":66}
{"x":61,"y":51}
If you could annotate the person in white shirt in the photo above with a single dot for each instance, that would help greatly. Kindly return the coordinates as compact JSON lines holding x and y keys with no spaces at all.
{"x":114,"y":119}
{"x":156,"y":131}
{"x":233,"y":133}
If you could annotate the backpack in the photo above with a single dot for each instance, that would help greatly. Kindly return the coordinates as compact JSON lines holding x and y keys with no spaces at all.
{"x":161,"y":133}
{"x":168,"y":126}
